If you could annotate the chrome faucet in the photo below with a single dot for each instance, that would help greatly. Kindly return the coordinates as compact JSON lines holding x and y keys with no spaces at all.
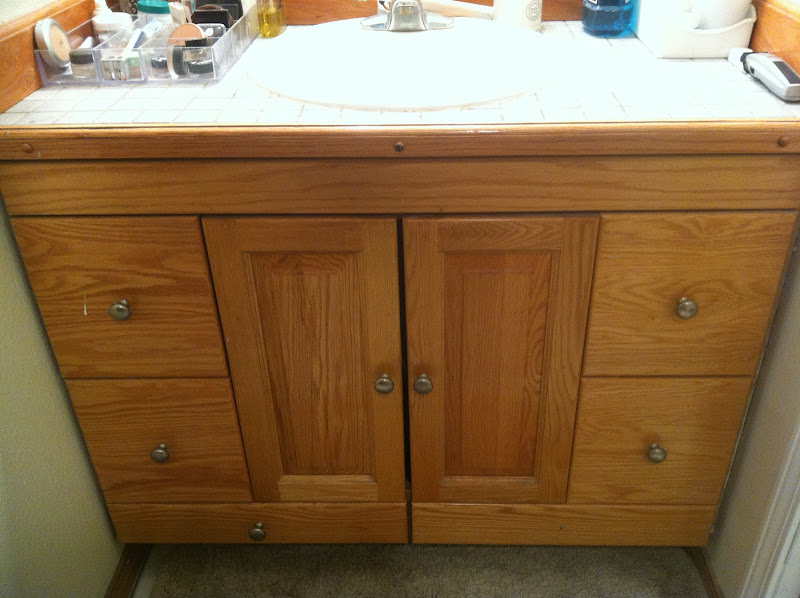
{"x":407,"y":15}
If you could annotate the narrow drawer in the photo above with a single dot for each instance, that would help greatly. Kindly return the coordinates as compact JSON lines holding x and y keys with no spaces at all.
{"x":695,"y":421}
{"x":80,"y":267}
{"x":727,"y":264}
{"x":126,"y":422}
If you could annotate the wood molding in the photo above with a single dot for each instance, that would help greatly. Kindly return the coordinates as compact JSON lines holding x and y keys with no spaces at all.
{"x":776,"y":30}
{"x":567,"y":139}
{"x":130,"y":565}
{"x":698,"y":556}
{"x":19,"y":76}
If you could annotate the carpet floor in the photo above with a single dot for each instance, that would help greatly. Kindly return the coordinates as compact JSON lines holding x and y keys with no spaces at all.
{"x":415,"y":571}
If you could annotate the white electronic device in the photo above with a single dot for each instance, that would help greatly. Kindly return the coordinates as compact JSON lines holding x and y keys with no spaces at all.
{"x":771,"y":71}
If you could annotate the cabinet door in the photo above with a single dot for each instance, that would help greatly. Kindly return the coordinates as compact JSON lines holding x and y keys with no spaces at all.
{"x":310,"y":316}
{"x":496,"y":313}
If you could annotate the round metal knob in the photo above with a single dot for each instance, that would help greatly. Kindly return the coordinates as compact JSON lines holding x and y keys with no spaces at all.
{"x":384,"y":384}
{"x":120,"y":311}
{"x":686,"y":308}
{"x":257,"y":533}
{"x":656,"y":454}
{"x":159,"y":454}
{"x":423,"y":385}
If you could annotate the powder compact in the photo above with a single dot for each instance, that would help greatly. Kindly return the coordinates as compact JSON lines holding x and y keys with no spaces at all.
{"x":52,"y":42}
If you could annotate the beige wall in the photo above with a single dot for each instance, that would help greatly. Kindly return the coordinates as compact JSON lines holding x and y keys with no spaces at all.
{"x":11,"y":9}
{"x":771,"y":427}
{"x":55,"y":537}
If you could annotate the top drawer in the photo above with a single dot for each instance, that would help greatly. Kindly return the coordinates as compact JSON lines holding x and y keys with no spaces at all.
{"x":729,"y":264}
{"x":79,"y":267}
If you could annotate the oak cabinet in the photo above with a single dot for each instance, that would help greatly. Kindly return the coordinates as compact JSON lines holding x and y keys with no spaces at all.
{"x":558,"y":378}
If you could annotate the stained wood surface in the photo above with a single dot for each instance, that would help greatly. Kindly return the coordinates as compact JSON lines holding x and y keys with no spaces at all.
{"x":310,"y":12}
{"x":495,"y":316}
{"x":730,"y":264}
{"x":621,"y":525}
{"x":129,"y":567}
{"x":19,"y":75}
{"x":283,"y":523}
{"x":123,"y":420}
{"x":696,"y":420}
{"x":78,"y":267}
{"x":62,"y":142}
{"x":310,"y":311}
{"x":776,"y":29}
{"x":401,"y":186}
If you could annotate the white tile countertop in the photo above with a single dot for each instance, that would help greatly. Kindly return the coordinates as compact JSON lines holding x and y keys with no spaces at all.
{"x":618,"y":80}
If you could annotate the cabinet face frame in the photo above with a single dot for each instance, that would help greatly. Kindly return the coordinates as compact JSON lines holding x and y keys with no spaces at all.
{"x":569,"y":244}
{"x":328,"y":289}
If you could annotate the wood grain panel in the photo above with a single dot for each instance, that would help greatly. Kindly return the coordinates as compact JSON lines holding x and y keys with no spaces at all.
{"x":621,"y":525}
{"x":63,"y":142}
{"x":393,"y":186}
{"x":123,"y":420}
{"x":499,"y":330}
{"x":696,"y":420}
{"x":78,"y":267}
{"x":309,"y":306}
{"x":19,"y":76}
{"x":496,"y":306}
{"x":776,"y":30}
{"x":283,"y":523}
{"x":730,"y":264}
{"x":310,"y":310}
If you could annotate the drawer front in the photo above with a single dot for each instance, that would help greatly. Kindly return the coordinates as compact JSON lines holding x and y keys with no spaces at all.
{"x":728,"y":264}
{"x":694,"y":420}
{"x":79,"y":267}
{"x":124,"y":422}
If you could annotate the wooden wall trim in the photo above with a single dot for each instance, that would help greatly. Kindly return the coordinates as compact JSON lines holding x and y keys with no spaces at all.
{"x":19,"y":76}
{"x":130,"y":565}
{"x":777,"y":30}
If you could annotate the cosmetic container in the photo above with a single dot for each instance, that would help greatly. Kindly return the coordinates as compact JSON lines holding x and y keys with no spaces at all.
{"x":608,"y":18}
{"x":271,"y":17}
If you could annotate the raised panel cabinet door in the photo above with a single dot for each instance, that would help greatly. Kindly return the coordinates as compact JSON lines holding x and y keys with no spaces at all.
{"x":310,"y":316}
{"x":496,"y":312}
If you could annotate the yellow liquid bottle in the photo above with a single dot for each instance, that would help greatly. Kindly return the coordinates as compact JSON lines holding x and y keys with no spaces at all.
{"x":271,"y":17}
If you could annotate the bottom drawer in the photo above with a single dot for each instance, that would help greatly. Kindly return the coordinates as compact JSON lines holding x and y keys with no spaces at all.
{"x":123,"y":421}
{"x":694,"y":420}
{"x":280,"y":522}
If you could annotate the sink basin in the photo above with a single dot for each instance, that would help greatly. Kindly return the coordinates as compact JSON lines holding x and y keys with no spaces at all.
{"x":342,"y":65}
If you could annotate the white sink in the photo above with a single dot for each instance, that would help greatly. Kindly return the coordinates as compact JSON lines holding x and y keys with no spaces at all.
{"x":340,"y":64}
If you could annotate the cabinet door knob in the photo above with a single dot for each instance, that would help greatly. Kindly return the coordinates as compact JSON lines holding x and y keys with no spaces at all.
{"x":686,"y":308}
{"x":423,"y":384}
{"x":120,"y":310}
{"x":257,"y":533}
{"x":384,"y":384}
{"x":159,"y":454}
{"x":656,"y":454}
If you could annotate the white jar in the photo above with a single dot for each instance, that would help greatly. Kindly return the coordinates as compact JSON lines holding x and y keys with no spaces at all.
{"x":524,"y":13}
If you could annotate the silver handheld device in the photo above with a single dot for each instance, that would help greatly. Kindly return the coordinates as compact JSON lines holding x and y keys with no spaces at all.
{"x":774,"y":73}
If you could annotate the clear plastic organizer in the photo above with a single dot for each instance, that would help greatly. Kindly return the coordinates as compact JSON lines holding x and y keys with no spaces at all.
{"x":154,"y":61}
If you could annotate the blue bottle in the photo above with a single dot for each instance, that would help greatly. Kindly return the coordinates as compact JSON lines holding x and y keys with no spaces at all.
{"x":609,"y":18}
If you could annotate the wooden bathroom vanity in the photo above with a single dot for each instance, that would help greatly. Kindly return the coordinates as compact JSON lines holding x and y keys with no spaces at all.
{"x":542,"y":334}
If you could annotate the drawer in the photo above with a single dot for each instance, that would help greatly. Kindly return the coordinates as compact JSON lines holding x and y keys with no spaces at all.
{"x":695,"y":420}
{"x":728,"y":263}
{"x":124,"y":420}
{"x":79,"y":267}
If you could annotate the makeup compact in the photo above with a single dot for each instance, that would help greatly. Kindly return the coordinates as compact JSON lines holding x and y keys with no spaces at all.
{"x":52,"y":42}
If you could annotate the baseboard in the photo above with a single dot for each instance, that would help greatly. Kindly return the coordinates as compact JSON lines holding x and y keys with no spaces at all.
{"x":698,"y":556}
{"x":130,"y":565}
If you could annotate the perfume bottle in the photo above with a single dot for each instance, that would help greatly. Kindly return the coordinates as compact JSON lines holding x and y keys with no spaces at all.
{"x":609,"y":18}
